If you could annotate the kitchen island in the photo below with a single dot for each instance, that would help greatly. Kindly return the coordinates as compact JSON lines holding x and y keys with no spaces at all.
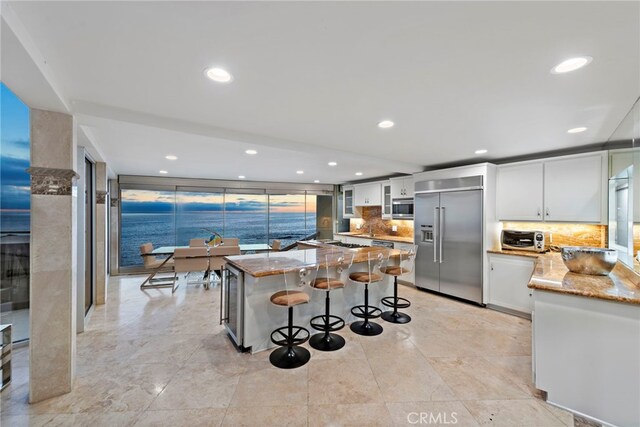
{"x":586,"y":340}
{"x":250,"y":280}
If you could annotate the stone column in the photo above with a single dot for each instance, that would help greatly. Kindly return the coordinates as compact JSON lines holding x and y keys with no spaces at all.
{"x":114,"y":229}
{"x":102,"y":194}
{"x":52,"y":284}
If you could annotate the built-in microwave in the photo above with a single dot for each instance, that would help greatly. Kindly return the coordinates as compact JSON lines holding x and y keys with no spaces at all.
{"x":402,"y":208}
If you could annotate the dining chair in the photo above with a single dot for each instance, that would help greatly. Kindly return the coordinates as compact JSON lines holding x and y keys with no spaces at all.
{"x":189,"y":260}
{"x":230,"y":241}
{"x":149,"y":261}
{"x":275,"y":245}
{"x":216,"y":257}
{"x":197,"y":243}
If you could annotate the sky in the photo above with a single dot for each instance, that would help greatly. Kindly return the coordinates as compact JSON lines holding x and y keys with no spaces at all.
{"x":14,"y":151}
{"x":147,"y":201}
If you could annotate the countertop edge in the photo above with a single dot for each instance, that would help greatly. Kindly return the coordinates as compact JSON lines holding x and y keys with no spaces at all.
{"x":385,"y":238}
{"x":574,"y":292}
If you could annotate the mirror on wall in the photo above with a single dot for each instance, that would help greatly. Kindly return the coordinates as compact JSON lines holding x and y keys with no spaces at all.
{"x":624,"y":188}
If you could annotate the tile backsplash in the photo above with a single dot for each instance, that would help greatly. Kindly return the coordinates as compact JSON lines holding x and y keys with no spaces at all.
{"x":566,"y":234}
{"x":372,"y":216}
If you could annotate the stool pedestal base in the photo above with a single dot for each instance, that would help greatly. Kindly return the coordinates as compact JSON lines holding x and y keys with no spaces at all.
{"x":366,"y":328}
{"x":326,"y":342}
{"x":289,"y":357}
{"x":396,"y":317}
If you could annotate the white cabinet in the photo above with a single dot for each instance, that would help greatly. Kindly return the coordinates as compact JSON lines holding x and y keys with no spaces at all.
{"x":573,"y":189}
{"x":509,"y":277}
{"x":348,"y":208}
{"x":386,"y":200}
{"x":368,"y":194}
{"x":566,"y":189}
{"x":519,"y":193}
{"x":402,"y":187}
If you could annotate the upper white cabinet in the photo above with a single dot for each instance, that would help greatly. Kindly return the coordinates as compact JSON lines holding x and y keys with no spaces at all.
{"x":569,"y":188}
{"x":573,"y":189}
{"x":402,"y":187}
{"x":519,"y":193}
{"x":386,"y":199}
{"x":348,"y":208}
{"x":368,"y":194}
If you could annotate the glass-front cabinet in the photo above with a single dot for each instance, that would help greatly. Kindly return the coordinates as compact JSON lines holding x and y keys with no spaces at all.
{"x":347,"y":202}
{"x":386,"y":200}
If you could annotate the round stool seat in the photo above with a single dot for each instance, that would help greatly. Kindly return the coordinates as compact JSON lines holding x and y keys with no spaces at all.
{"x":289,"y":298}
{"x":364,"y":277}
{"x":394,"y":270}
{"x":327,"y":283}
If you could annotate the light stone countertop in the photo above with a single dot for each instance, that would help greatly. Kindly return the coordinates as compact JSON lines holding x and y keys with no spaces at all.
{"x":550,"y":274}
{"x":272,"y":263}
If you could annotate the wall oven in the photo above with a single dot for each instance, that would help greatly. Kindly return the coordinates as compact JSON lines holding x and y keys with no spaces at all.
{"x":402,"y":208}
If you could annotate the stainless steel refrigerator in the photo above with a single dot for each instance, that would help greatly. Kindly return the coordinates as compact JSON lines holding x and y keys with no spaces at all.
{"x":448,"y":231}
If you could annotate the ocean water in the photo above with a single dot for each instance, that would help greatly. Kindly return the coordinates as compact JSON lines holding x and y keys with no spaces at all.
{"x":15,"y":221}
{"x":167,"y":229}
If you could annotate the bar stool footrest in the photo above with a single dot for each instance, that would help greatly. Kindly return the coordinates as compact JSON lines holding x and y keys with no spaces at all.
{"x":300,"y":336}
{"x":319,"y":323}
{"x":366,"y":312}
{"x":398,"y":303}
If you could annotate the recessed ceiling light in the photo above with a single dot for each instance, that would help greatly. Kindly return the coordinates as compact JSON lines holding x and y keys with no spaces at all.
{"x":332,"y":164}
{"x":571,"y":64}
{"x":577,"y":130}
{"x":218,"y":75}
{"x":385,"y":124}
{"x":316,"y":181}
{"x":358,"y":173}
{"x":171,"y":157}
{"x":483,"y":151}
{"x":241,"y":176}
{"x":251,"y":152}
{"x":164,"y":172}
{"x":299,"y":172}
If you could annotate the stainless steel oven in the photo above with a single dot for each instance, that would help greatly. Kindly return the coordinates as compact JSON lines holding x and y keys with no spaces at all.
{"x":402,"y":208}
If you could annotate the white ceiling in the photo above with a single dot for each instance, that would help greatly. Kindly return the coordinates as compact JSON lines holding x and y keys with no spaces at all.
{"x":311,"y":80}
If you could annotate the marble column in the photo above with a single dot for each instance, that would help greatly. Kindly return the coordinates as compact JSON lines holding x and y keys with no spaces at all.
{"x":102,"y":195}
{"x":53,"y":286}
{"x":114,"y":227}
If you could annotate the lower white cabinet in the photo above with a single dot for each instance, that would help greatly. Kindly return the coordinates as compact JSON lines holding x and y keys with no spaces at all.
{"x":509,"y":277}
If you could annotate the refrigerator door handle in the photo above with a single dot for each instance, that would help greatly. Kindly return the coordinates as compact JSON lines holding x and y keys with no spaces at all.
{"x":436,"y":233}
{"x":441,"y":232}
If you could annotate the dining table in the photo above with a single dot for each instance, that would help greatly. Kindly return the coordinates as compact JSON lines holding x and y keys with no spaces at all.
{"x":169,"y":251}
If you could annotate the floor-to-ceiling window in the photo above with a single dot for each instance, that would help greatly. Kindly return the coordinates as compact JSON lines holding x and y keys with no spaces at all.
{"x":146,"y":216}
{"x":14,"y":213}
{"x":174,"y":217}
{"x":199,"y":214}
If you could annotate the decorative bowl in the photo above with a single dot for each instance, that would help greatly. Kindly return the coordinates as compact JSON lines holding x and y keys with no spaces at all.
{"x":586,"y":260}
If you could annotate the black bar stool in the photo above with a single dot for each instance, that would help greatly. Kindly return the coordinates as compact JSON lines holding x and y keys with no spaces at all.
{"x":405,"y":263}
{"x":290,"y":355}
{"x":329,"y":277}
{"x":375,"y":261}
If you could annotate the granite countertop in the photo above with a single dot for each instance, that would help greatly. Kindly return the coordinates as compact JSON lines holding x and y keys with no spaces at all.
{"x":514,"y":252}
{"x":273,"y":263}
{"x":377,"y":237}
{"x":550,"y":274}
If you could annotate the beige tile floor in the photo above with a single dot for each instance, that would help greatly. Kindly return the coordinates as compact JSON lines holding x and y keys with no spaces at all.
{"x":153,"y":359}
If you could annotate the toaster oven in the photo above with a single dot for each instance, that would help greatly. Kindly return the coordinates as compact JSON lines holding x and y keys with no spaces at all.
{"x":534,"y":241}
